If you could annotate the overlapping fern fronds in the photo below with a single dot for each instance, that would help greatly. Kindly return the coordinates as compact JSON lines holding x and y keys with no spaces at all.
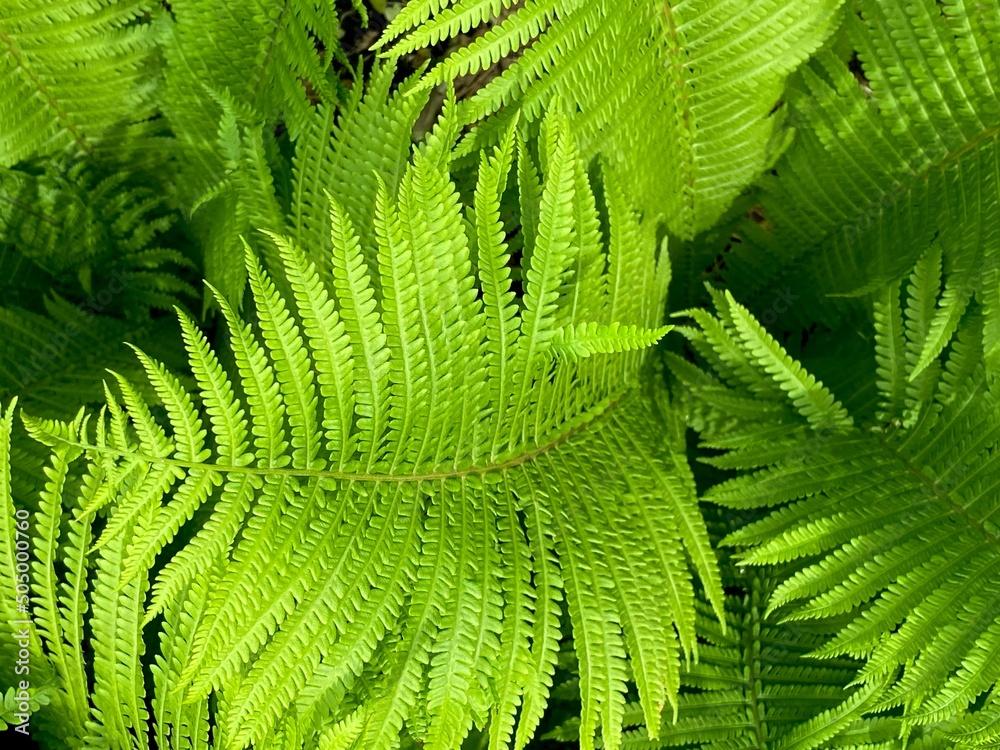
{"x":892,"y":518}
{"x":84,"y":258}
{"x":412,"y":475}
{"x":59,"y":357}
{"x":338,"y":151}
{"x":755,"y":685}
{"x":415,"y":462}
{"x":272,"y":58}
{"x":72,"y":73}
{"x":678,"y":95}
{"x":898,"y":125}
{"x":86,"y":228}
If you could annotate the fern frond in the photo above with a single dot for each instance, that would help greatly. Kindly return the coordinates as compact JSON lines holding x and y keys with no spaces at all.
{"x":251,"y":95}
{"x":699,"y":82}
{"x":755,"y":685}
{"x":56,"y":360}
{"x":885,"y":167}
{"x":892,"y":520}
{"x":91,"y":230}
{"x":395,"y":492}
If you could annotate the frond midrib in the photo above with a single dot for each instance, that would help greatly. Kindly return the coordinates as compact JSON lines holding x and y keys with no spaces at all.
{"x":752,"y":649}
{"x":499,"y":467}
{"x":683,"y":110}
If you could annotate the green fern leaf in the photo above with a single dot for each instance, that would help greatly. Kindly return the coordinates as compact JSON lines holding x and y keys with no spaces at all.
{"x":891,"y":521}
{"x":395,"y":489}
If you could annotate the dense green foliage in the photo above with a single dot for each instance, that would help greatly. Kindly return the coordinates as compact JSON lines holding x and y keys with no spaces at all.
{"x":340,"y":410}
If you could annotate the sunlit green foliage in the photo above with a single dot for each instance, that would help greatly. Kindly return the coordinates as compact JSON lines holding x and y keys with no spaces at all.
{"x":339,"y":408}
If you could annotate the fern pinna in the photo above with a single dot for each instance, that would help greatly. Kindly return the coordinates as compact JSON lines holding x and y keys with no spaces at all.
{"x":415,"y":473}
